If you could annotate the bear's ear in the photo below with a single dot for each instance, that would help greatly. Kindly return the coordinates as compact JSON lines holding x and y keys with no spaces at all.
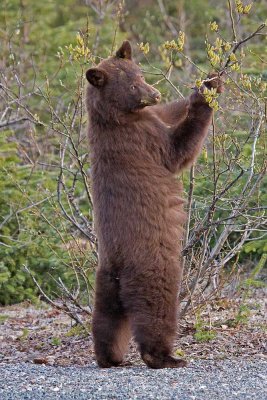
{"x":96,"y":76}
{"x":125,"y":51}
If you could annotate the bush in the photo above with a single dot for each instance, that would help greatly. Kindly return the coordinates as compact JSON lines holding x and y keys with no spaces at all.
{"x":46,"y":212}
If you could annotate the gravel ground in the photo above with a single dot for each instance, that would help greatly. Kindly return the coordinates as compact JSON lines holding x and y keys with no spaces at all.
{"x":228,"y":379}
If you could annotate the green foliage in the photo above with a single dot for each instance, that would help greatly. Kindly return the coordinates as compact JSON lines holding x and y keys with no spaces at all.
{"x":203,"y":334}
{"x":48,"y":46}
{"x":78,"y":330}
{"x":55,"y":341}
{"x":3,"y":318}
{"x":244,"y":311}
{"x":179,"y":353}
{"x":259,"y":246}
{"x":29,"y":236}
{"x":25,"y":334}
{"x":251,"y":281}
{"x":27,"y":204}
{"x":50,"y":52}
{"x":241,"y":318}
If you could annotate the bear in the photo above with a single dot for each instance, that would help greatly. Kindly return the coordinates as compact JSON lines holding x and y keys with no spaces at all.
{"x":137,"y":146}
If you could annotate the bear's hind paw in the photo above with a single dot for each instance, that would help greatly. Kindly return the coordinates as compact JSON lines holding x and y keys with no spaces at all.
{"x":108,"y":363}
{"x":157,"y":362}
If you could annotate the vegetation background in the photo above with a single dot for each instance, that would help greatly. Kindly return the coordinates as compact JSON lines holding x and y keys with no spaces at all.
{"x":47,"y":243}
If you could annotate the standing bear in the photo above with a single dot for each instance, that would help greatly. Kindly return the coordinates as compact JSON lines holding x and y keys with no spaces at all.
{"x":137,"y":146}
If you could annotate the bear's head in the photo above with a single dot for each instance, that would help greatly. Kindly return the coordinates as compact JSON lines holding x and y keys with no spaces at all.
{"x":117,"y":83}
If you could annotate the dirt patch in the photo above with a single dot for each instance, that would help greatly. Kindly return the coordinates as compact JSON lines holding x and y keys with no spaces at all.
{"x":43,"y":335}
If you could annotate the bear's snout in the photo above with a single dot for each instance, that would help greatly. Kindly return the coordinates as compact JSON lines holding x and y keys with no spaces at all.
{"x":150,"y":97}
{"x":156,"y":96}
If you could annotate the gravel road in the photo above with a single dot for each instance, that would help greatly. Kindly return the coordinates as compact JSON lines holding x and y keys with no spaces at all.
{"x":213,"y":380}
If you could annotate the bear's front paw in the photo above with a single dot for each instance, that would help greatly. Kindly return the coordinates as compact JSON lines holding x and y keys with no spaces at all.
{"x":200,"y":95}
{"x":214,"y":81}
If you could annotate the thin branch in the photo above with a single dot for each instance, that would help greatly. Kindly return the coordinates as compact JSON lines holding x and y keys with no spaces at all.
{"x":232,"y":20}
{"x":166,"y":18}
{"x":63,"y":307}
{"x":237,"y":45}
{"x":7,"y":123}
{"x":189,"y":203}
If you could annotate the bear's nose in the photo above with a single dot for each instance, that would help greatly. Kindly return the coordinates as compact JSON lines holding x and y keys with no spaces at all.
{"x":156,"y":95}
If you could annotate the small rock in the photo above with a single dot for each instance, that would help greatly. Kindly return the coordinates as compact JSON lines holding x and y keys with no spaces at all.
{"x":40,"y":360}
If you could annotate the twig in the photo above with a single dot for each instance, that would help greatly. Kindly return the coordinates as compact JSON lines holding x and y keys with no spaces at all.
{"x":63,"y":308}
{"x":237,"y":45}
{"x":190,"y":200}
{"x":232,"y":20}
{"x":166,"y":18}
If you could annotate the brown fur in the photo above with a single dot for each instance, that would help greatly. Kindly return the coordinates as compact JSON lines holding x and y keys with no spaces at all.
{"x":135,"y":153}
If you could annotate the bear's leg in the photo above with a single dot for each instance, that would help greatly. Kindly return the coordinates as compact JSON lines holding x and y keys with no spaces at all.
{"x":111,"y":330}
{"x":155,"y":340}
{"x":151,"y":303}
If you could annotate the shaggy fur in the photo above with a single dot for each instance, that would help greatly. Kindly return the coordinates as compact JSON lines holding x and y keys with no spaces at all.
{"x":137,"y":146}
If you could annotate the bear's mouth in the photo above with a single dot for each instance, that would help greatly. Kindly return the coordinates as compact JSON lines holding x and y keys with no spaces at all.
{"x":150,"y":100}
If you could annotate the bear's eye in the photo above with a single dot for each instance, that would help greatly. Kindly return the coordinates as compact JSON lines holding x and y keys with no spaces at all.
{"x":133,"y":87}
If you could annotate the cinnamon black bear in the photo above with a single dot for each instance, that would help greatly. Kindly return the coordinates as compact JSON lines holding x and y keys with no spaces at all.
{"x":137,"y":146}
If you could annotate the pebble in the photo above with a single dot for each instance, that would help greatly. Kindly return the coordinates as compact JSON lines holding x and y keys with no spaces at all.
{"x":233,"y":379}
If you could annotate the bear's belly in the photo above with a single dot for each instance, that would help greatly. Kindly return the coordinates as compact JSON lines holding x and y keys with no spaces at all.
{"x":145,"y":210}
